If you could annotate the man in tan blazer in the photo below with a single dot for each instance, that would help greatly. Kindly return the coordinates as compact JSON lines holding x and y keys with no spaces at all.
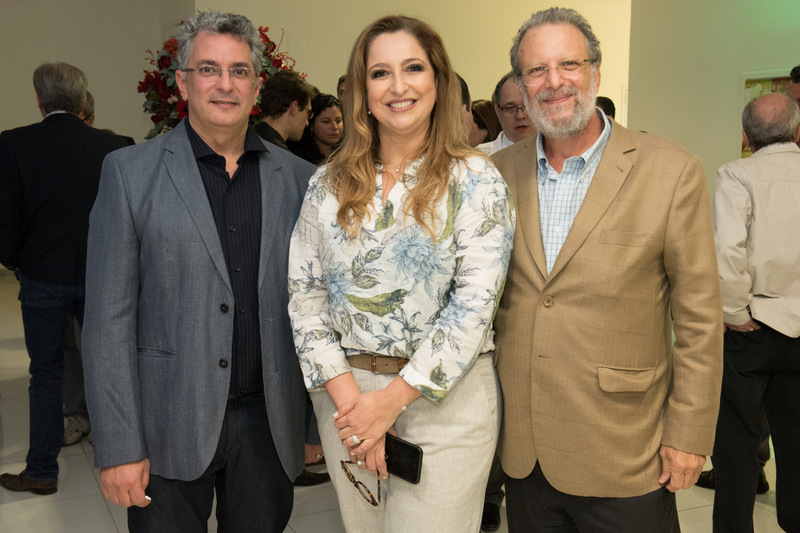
{"x":605,"y":416}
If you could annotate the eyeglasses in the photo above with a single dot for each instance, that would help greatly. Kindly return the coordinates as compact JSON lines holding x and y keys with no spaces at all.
{"x":568,"y":69}
{"x":362,"y":489}
{"x":209,"y":71}
{"x":511,"y":110}
{"x":310,"y":113}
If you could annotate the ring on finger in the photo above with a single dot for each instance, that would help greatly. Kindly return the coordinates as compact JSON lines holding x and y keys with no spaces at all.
{"x":354,"y":439}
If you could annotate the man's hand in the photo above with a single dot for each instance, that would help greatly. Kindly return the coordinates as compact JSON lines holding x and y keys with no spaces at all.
{"x":124,"y":484}
{"x":679,"y":468}
{"x":750,"y":325}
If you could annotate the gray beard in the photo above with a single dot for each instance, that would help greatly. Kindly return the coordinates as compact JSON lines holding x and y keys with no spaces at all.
{"x":564,"y":129}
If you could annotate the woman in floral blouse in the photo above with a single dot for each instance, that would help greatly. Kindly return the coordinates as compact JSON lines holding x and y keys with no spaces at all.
{"x":396,"y":266}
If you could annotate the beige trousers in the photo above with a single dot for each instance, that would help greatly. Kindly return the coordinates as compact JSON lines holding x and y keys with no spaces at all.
{"x":458,"y":439}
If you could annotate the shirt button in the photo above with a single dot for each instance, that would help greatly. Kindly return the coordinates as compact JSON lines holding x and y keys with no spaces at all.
{"x":232,"y":228}
{"x":237,"y":269}
{"x":243,"y":348}
{"x":223,"y":363}
{"x":549,"y":301}
{"x":557,"y":229}
{"x":241,"y":309}
{"x":223,"y":308}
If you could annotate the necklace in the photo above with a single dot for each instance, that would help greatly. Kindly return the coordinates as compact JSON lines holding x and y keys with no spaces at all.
{"x":397,"y":166}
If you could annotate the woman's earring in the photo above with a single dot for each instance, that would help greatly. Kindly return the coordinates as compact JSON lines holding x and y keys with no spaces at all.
{"x":369,"y":112}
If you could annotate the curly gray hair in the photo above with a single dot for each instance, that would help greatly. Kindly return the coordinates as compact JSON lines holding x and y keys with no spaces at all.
{"x":236,"y":26}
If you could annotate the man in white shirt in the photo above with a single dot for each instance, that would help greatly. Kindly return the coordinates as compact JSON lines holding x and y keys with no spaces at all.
{"x":510,"y":109}
{"x":756,"y":215}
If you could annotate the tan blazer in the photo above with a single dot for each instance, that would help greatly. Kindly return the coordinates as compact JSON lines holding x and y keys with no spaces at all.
{"x":592,"y":383}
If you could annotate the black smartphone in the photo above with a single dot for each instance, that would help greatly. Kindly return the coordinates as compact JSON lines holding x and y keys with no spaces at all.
{"x":403,"y":459}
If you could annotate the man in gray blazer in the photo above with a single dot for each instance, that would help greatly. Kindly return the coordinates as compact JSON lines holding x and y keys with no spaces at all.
{"x":191,"y":377}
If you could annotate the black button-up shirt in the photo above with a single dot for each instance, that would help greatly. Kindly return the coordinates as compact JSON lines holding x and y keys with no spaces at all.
{"x":236,"y":206}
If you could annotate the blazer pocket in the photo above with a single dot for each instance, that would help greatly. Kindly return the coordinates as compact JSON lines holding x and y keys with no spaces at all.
{"x":625,"y":238}
{"x":616,"y":379}
{"x":149,"y":351}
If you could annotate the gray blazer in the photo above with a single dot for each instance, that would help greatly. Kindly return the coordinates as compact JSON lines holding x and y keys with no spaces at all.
{"x":157,"y":326}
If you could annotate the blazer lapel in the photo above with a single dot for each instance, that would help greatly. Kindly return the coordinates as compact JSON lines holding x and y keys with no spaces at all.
{"x":272,"y":212}
{"x":611,"y":173}
{"x":527,"y":201}
{"x":182,"y":169}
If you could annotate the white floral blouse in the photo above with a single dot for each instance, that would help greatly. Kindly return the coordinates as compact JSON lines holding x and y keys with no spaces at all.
{"x":392,"y":291}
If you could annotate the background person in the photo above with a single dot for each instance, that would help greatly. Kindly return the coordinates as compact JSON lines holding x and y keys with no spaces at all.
{"x":607,"y":105}
{"x":324,"y":130}
{"x":49,"y":174}
{"x":513,"y":117}
{"x":756,"y":213}
{"x":285,"y":108}
{"x":398,"y":258}
{"x":486,"y":126}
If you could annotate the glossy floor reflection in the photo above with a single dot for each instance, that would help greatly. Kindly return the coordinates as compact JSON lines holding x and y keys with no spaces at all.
{"x":79,"y":506}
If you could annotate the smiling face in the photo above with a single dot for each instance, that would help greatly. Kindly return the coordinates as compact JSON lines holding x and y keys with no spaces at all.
{"x":327,"y":127}
{"x":560,"y":107}
{"x":401,"y":87}
{"x":219,"y":104}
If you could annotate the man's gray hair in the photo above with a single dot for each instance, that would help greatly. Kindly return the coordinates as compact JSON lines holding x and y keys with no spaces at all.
{"x":60,"y":87}
{"x":88,"y":105}
{"x":237,"y":26}
{"x":770,"y":124}
{"x":557,"y":15}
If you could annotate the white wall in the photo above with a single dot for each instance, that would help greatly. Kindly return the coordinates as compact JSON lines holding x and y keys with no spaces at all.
{"x":687,"y":63}
{"x":477,"y":33}
{"x":107,"y":39}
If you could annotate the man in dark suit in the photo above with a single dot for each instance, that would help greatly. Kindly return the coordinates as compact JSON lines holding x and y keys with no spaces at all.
{"x":192,"y":380}
{"x":49,"y":173}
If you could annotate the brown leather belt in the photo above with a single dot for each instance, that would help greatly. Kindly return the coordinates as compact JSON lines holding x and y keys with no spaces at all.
{"x":378,"y":364}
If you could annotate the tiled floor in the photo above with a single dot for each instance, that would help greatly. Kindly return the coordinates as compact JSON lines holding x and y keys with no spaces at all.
{"x":78,"y":505}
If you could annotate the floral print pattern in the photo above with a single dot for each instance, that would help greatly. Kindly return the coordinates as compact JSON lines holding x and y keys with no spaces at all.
{"x":395,"y":290}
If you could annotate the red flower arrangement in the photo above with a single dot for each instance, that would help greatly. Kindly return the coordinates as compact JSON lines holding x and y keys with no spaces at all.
{"x":162,"y":97}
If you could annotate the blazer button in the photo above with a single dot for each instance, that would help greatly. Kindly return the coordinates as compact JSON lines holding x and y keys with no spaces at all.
{"x":549,"y":301}
{"x":223,"y":363}
{"x":223,"y":308}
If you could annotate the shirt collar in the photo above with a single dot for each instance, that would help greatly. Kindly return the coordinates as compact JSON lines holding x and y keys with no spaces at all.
{"x":252,"y":142}
{"x":56,"y":112}
{"x":594,"y":151}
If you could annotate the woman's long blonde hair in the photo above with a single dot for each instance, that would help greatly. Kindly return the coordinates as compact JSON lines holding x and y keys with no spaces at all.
{"x":352,"y":168}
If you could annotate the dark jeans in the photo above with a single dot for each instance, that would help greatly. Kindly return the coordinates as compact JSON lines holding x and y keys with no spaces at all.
{"x":534,"y":506}
{"x":761,"y":366}
{"x":74,"y":395}
{"x":253,"y":491}
{"x":44,"y":311}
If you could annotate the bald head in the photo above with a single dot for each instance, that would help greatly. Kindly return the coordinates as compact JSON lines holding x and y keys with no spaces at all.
{"x":770,"y":119}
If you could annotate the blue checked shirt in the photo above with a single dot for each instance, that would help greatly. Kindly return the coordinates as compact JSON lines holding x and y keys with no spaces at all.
{"x":561,"y":195}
